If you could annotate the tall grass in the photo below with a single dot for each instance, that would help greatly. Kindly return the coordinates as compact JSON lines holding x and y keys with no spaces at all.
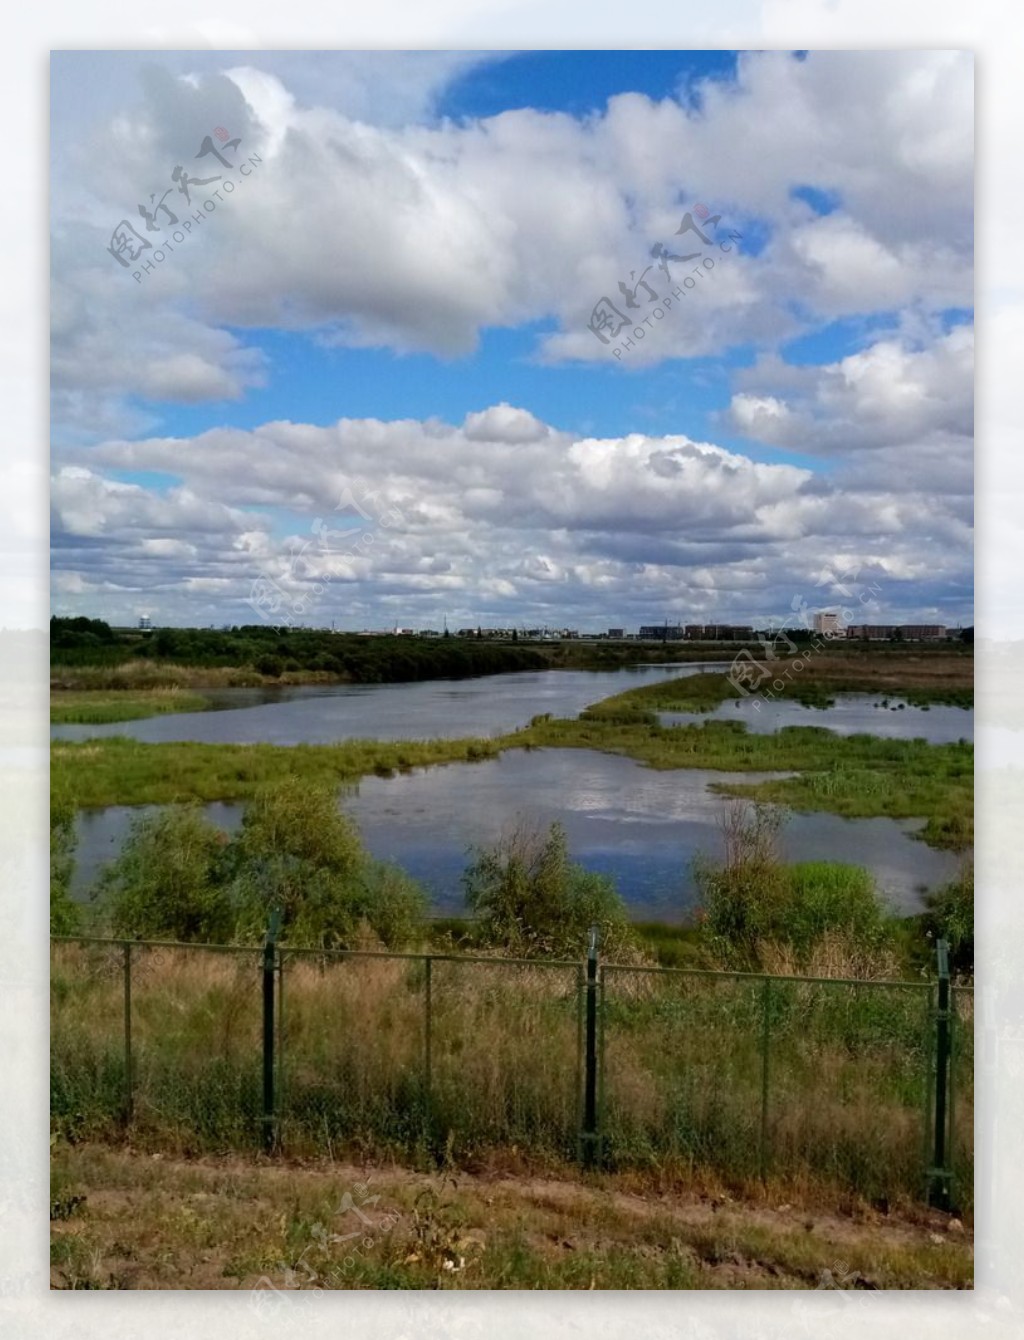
{"x":683,"y":1064}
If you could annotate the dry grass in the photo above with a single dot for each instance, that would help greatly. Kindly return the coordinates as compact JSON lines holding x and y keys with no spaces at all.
{"x":124,"y":1219}
{"x":682,"y":1071}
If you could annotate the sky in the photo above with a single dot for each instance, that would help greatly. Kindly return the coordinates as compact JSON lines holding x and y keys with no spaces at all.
{"x":575,"y":339}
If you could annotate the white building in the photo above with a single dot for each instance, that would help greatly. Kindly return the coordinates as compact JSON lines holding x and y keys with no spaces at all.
{"x":826,"y":622}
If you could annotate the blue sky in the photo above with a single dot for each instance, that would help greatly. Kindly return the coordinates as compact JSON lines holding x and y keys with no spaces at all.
{"x":403,"y":262}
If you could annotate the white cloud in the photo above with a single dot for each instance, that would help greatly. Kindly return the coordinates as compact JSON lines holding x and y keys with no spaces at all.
{"x":599,"y":530}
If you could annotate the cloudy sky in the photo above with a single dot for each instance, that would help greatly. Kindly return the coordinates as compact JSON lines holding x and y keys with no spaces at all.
{"x":589,"y":339}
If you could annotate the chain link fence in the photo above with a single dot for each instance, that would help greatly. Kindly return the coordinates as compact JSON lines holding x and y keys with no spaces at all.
{"x":206,"y":1048}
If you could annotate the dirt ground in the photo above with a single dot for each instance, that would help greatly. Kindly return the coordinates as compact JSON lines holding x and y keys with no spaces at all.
{"x":134,"y":1220}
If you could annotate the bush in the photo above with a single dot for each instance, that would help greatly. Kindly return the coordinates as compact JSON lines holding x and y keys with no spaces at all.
{"x":534,"y":901}
{"x":65,"y":916}
{"x":271,"y":666}
{"x":168,"y":881}
{"x":950,"y":916}
{"x":757,"y":908}
{"x":296,"y":851}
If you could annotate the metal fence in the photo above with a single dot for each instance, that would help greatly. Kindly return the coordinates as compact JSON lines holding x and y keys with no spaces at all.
{"x":865,"y":1084}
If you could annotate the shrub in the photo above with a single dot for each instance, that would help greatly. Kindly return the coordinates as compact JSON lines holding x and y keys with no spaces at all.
{"x":534,"y":901}
{"x":65,"y":916}
{"x":168,"y":880}
{"x":296,"y":851}
{"x":756,"y":908}
{"x":950,"y":916}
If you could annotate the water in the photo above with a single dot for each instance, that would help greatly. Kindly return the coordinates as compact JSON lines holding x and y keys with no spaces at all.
{"x":853,"y":713}
{"x":640,"y":826}
{"x":435,"y":709}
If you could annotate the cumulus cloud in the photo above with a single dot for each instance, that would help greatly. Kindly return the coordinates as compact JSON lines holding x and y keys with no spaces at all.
{"x":421,"y":235}
{"x":600,"y":530}
{"x":888,"y":394}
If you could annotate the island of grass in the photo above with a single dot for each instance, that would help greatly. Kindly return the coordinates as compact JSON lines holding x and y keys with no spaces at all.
{"x":102,"y":706}
{"x":856,"y":776}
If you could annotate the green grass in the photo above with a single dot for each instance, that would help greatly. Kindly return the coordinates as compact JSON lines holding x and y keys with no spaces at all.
{"x":118,"y":770}
{"x":230,"y":1223}
{"x":682,"y":1066}
{"x":857,"y":776}
{"x":98,"y":707}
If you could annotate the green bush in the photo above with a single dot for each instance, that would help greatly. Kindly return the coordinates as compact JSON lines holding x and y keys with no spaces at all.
{"x":533,"y":901}
{"x":65,"y":916}
{"x":297,"y":852}
{"x":753,"y":900}
{"x":950,"y":916}
{"x":168,"y":882}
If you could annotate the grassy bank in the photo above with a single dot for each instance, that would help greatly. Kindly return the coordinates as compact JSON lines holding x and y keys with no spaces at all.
{"x":921,"y":679}
{"x":122,"y":1220}
{"x":857,"y":776}
{"x":96,"y":708}
{"x":682,"y":1093}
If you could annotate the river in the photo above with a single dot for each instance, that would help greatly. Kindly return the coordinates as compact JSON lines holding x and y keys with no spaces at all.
{"x":641,"y":826}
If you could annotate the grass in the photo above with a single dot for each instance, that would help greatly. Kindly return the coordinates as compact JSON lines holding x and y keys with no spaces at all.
{"x":97,"y":707}
{"x":856,"y":776}
{"x":682,"y":1068}
{"x":229,"y":1223}
{"x":118,"y":770}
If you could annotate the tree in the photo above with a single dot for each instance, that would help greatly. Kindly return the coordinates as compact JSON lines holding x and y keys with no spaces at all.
{"x":169,"y":880}
{"x":534,"y":901}
{"x":297,"y":852}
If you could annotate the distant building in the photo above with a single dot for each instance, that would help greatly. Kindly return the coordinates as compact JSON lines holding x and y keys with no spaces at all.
{"x":905,"y":632}
{"x":660,"y":632}
{"x":874,"y":632}
{"x":923,"y":632}
{"x":617,"y":633}
{"x":145,"y":623}
{"x":826,"y":622}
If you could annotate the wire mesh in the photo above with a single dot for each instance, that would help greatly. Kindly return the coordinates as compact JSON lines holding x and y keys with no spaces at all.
{"x":961,"y":1104}
{"x":505,"y":1057}
{"x":351,"y":1060}
{"x":196,"y":1046}
{"x":88,"y":1072}
{"x":681,"y":1069}
{"x":739,"y":1074}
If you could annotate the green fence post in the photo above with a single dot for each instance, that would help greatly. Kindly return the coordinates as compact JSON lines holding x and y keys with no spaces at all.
{"x":428,"y":1014}
{"x":939,"y":1173}
{"x":129,"y":1086}
{"x":279,"y":1092}
{"x":589,"y":1135}
{"x":765,"y":1038}
{"x":269,"y":965}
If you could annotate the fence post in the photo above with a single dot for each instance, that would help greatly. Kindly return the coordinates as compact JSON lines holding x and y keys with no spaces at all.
{"x":765,"y":1039}
{"x":269,"y":964}
{"x":428,"y":1014}
{"x":589,"y":1134}
{"x":940,"y":1173}
{"x":129,"y":1085}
